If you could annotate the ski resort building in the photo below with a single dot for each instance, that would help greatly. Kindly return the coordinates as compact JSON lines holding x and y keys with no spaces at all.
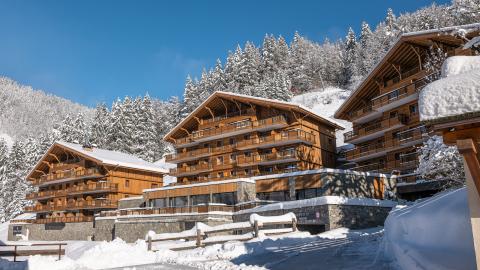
{"x":76,"y":182}
{"x":384,"y":107}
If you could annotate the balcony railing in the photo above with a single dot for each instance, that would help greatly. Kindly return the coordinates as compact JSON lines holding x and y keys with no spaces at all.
{"x":230,"y":115}
{"x":83,"y":204}
{"x":63,"y":220}
{"x":193,"y":169}
{"x":170,"y":210}
{"x":403,"y":138}
{"x":91,"y":188}
{"x":45,"y":194}
{"x":44,"y":208}
{"x":197,"y":153}
{"x":285,"y":136}
{"x":373,"y":167}
{"x":361,"y":112}
{"x":232,"y":127}
{"x":68,"y":175}
{"x":376,"y":126}
{"x":262,"y":158}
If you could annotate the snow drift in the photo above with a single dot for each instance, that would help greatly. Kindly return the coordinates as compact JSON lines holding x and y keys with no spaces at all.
{"x":432,"y":234}
{"x":457,"y":92}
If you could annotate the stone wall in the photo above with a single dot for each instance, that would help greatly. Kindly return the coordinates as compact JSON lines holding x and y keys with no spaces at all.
{"x":54,"y":231}
{"x":104,"y":229}
{"x":330,"y":216}
{"x":245,"y":192}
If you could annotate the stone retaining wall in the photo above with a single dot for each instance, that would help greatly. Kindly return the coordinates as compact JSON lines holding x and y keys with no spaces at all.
{"x":54,"y":231}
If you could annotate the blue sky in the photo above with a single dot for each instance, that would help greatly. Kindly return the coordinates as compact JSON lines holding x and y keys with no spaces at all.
{"x":92,"y":51}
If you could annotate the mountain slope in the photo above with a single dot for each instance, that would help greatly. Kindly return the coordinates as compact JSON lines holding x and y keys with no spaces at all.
{"x":325,"y":102}
{"x":28,"y":112}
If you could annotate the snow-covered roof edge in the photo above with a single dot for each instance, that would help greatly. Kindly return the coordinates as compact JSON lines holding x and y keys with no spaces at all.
{"x":199,"y":107}
{"x":324,"y":200}
{"x":392,"y":48}
{"x":318,"y":171}
{"x":152,"y":168}
{"x":246,"y":180}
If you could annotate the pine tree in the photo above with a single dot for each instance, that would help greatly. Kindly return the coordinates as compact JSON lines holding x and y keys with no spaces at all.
{"x":99,"y":129}
{"x":349,"y":56}
{"x":190,"y":96}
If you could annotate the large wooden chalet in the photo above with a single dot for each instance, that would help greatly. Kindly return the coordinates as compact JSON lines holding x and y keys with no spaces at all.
{"x":231,"y":136}
{"x":384,"y":107}
{"x":75,"y":182}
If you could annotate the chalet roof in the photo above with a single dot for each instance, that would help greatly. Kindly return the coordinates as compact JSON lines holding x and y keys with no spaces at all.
{"x":103,"y":157}
{"x":255,"y":100}
{"x":402,"y":51}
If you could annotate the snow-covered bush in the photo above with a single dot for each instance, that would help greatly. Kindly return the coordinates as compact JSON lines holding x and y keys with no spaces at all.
{"x":441,"y":162}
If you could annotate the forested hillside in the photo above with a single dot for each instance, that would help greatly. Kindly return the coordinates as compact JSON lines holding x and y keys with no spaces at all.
{"x":275,"y":69}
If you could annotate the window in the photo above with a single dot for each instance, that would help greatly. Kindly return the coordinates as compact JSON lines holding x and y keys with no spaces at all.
{"x":247,"y":154}
{"x":163,"y":202}
{"x":232,"y":140}
{"x":200,"y":199}
{"x":127,"y":183}
{"x":397,"y":156}
{"x":219,"y":143}
{"x":247,"y":171}
{"x":180,"y":201}
{"x":220,"y":175}
{"x":246,"y":137}
{"x":233,"y":173}
{"x":233,"y":157}
{"x":154,"y":185}
{"x":330,"y":141}
{"x":225,"y":198}
{"x":274,"y":196}
{"x":413,"y":109}
{"x":393,"y":114}
{"x":219,"y":160}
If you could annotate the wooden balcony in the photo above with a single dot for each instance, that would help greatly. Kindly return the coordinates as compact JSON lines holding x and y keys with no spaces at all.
{"x":375,"y":129}
{"x":197,"y":153}
{"x":394,"y":98}
{"x":44,"y":208}
{"x":267,"y":159}
{"x":377,"y":149}
{"x":373,"y":167}
{"x":286,"y":137}
{"x":231,"y":129}
{"x":69,"y":175}
{"x":45,"y":194}
{"x":63,"y":220}
{"x":93,"y":188}
{"x":191,"y":170}
{"x":94,"y":204}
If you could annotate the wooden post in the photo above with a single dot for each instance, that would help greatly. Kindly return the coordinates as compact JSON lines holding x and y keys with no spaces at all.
{"x":255,"y":228}
{"x":294,"y":224}
{"x":199,"y":237}
{"x":15,"y":253}
{"x":149,"y":240}
{"x":468,"y":149}
{"x":59,"y":251}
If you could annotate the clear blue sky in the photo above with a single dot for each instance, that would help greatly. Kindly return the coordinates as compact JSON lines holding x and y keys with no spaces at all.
{"x":92,"y":51}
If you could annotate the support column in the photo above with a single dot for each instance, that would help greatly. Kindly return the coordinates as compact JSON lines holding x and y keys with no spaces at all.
{"x":291,"y":187}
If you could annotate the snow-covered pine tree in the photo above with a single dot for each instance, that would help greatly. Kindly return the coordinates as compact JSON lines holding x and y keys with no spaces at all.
{"x":146,"y":143}
{"x":441,"y":162}
{"x":190,"y":96}
{"x":3,"y":176}
{"x":99,"y":128}
{"x":349,"y":57}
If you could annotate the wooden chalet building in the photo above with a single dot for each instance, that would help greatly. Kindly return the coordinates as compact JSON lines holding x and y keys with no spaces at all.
{"x":231,"y":136}
{"x":75,"y":182}
{"x":384,"y":107}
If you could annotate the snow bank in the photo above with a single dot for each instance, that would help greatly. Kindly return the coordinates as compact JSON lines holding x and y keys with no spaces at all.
{"x":288,"y":217}
{"x":334,"y":200}
{"x":432,"y":234}
{"x":457,"y":92}
{"x":325,"y":102}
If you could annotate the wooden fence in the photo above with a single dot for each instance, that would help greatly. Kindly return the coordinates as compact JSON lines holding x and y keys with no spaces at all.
{"x":202,"y":235}
{"x":18,"y":250}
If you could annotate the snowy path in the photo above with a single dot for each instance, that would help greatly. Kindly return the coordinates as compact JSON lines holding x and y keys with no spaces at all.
{"x":347,"y":253}
{"x":154,"y":267}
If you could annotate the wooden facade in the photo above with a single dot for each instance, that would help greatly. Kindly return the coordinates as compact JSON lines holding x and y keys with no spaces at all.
{"x":74,"y":183}
{"x":384,"y":108}
{"x":232,"y":136}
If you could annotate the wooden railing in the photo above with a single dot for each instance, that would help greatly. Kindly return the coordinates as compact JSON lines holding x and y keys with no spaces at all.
{"x":27,"y":250}
{"x":93,"y":187}
{"x":197,"y":153}
{"x":369,"y":149}
{"x":375,"y":126}
{"x":45,"y":208}
{"x":223,"y":117}
{"x":284,"y":136}
{"x":373,"y":167}
{"x":69,"y":174}
{"x":91,"y":204}
{"x":241,"y":125}
{"x":253,"y":159}
{"x":45,"y":194}
{"x":64,"y":219}
{"x":193,"y":169}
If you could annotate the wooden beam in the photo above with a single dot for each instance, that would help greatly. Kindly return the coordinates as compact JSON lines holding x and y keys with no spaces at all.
{"x":469,"y":150}
{"x":397,"y":69}
{"x":198,"y":119}
{"x":418,"y":56}
{"x":42,"y":172}
{"x":55,"y":156}
{"x":210,"y":111}
{"x":47,"y":163}
{"x":236,"y":104}
{"x":226,"y":109}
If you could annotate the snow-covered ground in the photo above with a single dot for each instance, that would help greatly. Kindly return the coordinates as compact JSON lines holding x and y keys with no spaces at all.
{"x":325,"y":102}
{"x":431,"y":234}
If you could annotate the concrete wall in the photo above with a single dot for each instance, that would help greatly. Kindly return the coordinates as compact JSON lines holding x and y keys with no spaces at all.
{"x":132,"y":202}
{"x":55,"y":231}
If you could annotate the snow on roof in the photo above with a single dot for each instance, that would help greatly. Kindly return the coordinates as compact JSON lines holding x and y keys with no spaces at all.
{"x":25,"y":216}
{"x":456,"y":93}
{"x":113,"y":158}
{"x":464,"y":28}
{"x":131,"y":198}
{"x":272,"y":101}
{"x":324,"y":200}
{"x":318,"y":171}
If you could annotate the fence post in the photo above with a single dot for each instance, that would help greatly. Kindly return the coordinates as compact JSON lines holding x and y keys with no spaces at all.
{"x":15,"y":253}
{"x":149,"y":240}
{"x":59,"y":251}
{"x":294,"y":224}
{"x":199,"y":235}
{"x":255,"y":227}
